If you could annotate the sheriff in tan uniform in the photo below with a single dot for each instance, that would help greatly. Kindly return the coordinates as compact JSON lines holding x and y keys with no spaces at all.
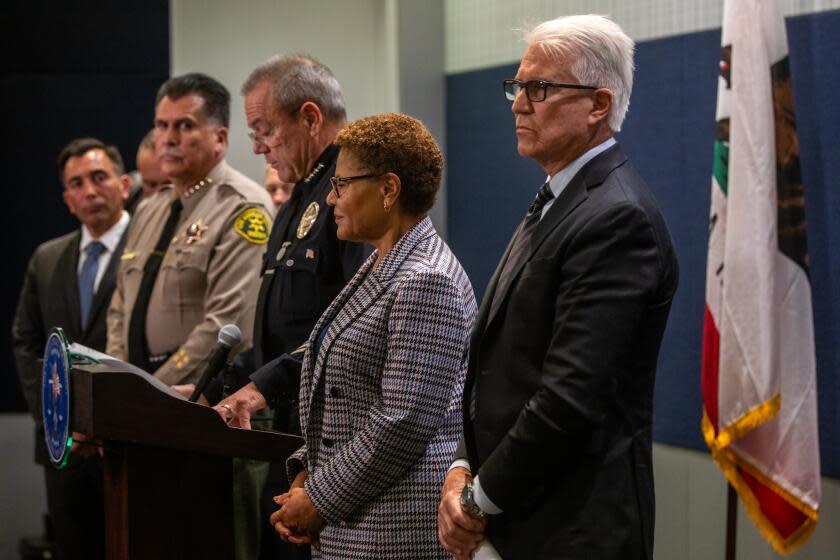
{"x":209,"y":276}
{"x":203,"y":263}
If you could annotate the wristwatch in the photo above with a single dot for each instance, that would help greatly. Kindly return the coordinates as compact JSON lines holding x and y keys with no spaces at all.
{"x":468,"y":502}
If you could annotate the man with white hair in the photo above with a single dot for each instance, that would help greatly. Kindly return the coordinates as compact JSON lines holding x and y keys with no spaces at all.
{"x":555,"y":459}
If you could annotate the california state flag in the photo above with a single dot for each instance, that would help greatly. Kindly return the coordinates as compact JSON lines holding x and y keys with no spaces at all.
{"x":759,"y":379}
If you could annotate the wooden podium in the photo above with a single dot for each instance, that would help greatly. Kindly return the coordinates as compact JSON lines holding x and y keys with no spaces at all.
{"x":167,"y":465}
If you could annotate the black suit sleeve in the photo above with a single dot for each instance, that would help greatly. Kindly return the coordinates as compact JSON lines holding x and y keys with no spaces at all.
{"x":603,"y":281}
{"x":29,"y":339}
{"x":279,"y":378}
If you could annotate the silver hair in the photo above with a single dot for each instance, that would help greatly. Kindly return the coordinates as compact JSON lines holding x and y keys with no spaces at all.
{"x":296,"y":79}
{"x":603,"y":55}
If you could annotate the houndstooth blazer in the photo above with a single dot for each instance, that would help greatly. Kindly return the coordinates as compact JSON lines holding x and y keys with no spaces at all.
{"x":381,"y":401}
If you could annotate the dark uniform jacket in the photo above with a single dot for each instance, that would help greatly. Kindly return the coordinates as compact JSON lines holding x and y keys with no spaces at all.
{"x":559,"y":392}
{"x":304,"y":268}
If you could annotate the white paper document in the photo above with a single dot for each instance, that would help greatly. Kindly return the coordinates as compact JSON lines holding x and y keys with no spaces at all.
{"x":486,"y":551}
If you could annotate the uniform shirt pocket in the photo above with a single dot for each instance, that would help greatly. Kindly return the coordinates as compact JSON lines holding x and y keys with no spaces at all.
{"x":185,"y":276}
{"x":131,"y":269}
{"x":300,"y":285}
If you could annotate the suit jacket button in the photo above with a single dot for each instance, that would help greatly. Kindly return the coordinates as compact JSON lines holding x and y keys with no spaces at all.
{"x":335,"y":392}
{"x":327,"y":442}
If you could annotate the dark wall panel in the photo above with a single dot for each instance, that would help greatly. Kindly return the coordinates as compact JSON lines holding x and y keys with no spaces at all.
{"x":668,"y":135}
{"x":69,"y":70}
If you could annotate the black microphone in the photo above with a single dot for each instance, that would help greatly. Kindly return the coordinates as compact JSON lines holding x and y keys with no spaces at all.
{"x":229,"y":336}
{"x":229,"y":380}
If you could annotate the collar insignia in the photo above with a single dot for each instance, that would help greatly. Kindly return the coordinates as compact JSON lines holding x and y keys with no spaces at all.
{"x":315,"y":172}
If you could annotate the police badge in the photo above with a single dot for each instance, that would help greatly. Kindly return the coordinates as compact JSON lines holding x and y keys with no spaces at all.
{"x":308,"y":218}
{"x":55,"y":398}
{"x":195,"y":231}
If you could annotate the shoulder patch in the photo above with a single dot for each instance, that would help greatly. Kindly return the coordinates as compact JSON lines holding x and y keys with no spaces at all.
{"x":253,"y":224}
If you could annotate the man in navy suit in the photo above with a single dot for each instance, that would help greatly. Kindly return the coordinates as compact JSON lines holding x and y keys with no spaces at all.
{"x":555,"y":459}
{"x":68,"y":284}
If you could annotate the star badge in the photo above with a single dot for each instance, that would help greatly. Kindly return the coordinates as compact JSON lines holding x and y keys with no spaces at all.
{"x":195,"y":231}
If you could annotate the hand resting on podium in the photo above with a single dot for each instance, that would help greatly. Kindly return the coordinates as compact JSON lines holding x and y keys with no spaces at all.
{"x":235,"y":410}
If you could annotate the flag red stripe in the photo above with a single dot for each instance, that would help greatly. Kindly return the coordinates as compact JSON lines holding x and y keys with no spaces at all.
{"x":785,"y":518}
{"x":709,"y":371}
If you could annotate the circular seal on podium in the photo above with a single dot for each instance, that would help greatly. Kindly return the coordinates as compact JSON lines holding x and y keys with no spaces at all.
{"x":55,"y":398}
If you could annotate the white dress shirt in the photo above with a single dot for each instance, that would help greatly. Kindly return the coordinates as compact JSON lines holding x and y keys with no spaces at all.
{"x":110,"y":239}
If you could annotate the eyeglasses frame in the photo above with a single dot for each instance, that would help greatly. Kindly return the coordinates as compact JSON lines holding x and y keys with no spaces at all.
{"x":543,"y":87}
{"x":345,"y":181}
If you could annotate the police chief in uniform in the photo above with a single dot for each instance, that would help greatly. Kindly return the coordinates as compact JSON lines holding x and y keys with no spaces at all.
{"x":192,"y":258}
{"x":295,"y":108}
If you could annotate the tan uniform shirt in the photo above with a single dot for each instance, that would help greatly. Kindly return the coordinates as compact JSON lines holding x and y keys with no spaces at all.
{"x":209,"y":276}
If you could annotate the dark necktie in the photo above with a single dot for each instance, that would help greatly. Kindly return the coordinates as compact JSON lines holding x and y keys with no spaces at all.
{"x":520,"y":249}
{"x":87,"y":278}
{"x":137,"y":351}
{"x":543,"y":196}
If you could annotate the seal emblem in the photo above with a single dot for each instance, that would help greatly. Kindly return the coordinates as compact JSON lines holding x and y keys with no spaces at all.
{"x":308,"y":218}
{"x":55,"y":398}
{"x":253,"y":224}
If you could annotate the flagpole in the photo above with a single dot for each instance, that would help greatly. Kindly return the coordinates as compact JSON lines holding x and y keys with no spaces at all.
{"x":731,"y":521}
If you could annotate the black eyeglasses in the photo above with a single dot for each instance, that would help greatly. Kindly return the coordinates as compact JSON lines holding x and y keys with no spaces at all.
{"x":535,"y":90}
{"x":338,"y":183}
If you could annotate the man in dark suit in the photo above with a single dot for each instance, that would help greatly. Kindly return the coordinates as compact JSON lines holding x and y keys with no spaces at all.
{"x":68,"y":284}
{"x":555,"y":459}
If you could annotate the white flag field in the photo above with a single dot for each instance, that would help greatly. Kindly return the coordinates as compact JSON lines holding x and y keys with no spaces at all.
{"x":759,"y":367}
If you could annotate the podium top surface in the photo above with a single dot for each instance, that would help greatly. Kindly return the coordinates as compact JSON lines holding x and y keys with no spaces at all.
{"x":122,"y":406}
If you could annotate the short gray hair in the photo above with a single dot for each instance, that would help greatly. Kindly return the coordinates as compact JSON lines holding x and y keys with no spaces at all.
{"x":604,"y":55}
{"x":296,"y":79}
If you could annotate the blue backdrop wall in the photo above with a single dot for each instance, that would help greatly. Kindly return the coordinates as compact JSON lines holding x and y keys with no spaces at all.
{"x":69,"y":70}
{"x":668,"y":135}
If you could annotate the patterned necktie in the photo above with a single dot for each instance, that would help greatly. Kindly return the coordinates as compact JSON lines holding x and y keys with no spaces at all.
{"x":87,"y":278}
{"x":137,"y":351}
{"x":529,"y":224}
{"x":543,"y":196}
{"x":520,"y":250}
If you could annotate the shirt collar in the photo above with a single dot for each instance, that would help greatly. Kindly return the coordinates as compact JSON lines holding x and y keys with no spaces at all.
{"x":110,"y":238}
{"x":217,"y":176}
{"x":563,"y":177}
{"x":324,"y":163}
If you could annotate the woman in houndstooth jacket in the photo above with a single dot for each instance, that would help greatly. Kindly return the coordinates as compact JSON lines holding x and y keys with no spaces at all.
{"x":384,"y":367}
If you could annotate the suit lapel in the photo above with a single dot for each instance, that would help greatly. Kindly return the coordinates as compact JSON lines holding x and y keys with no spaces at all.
{"x":353,"y":300}
{"x":67,"y":276}
{"x":363,"y":290}
{"x":569,"y":199}
{"x":102,"y":297}
{"x":487,"y":300}
{"x":591,"y":175}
